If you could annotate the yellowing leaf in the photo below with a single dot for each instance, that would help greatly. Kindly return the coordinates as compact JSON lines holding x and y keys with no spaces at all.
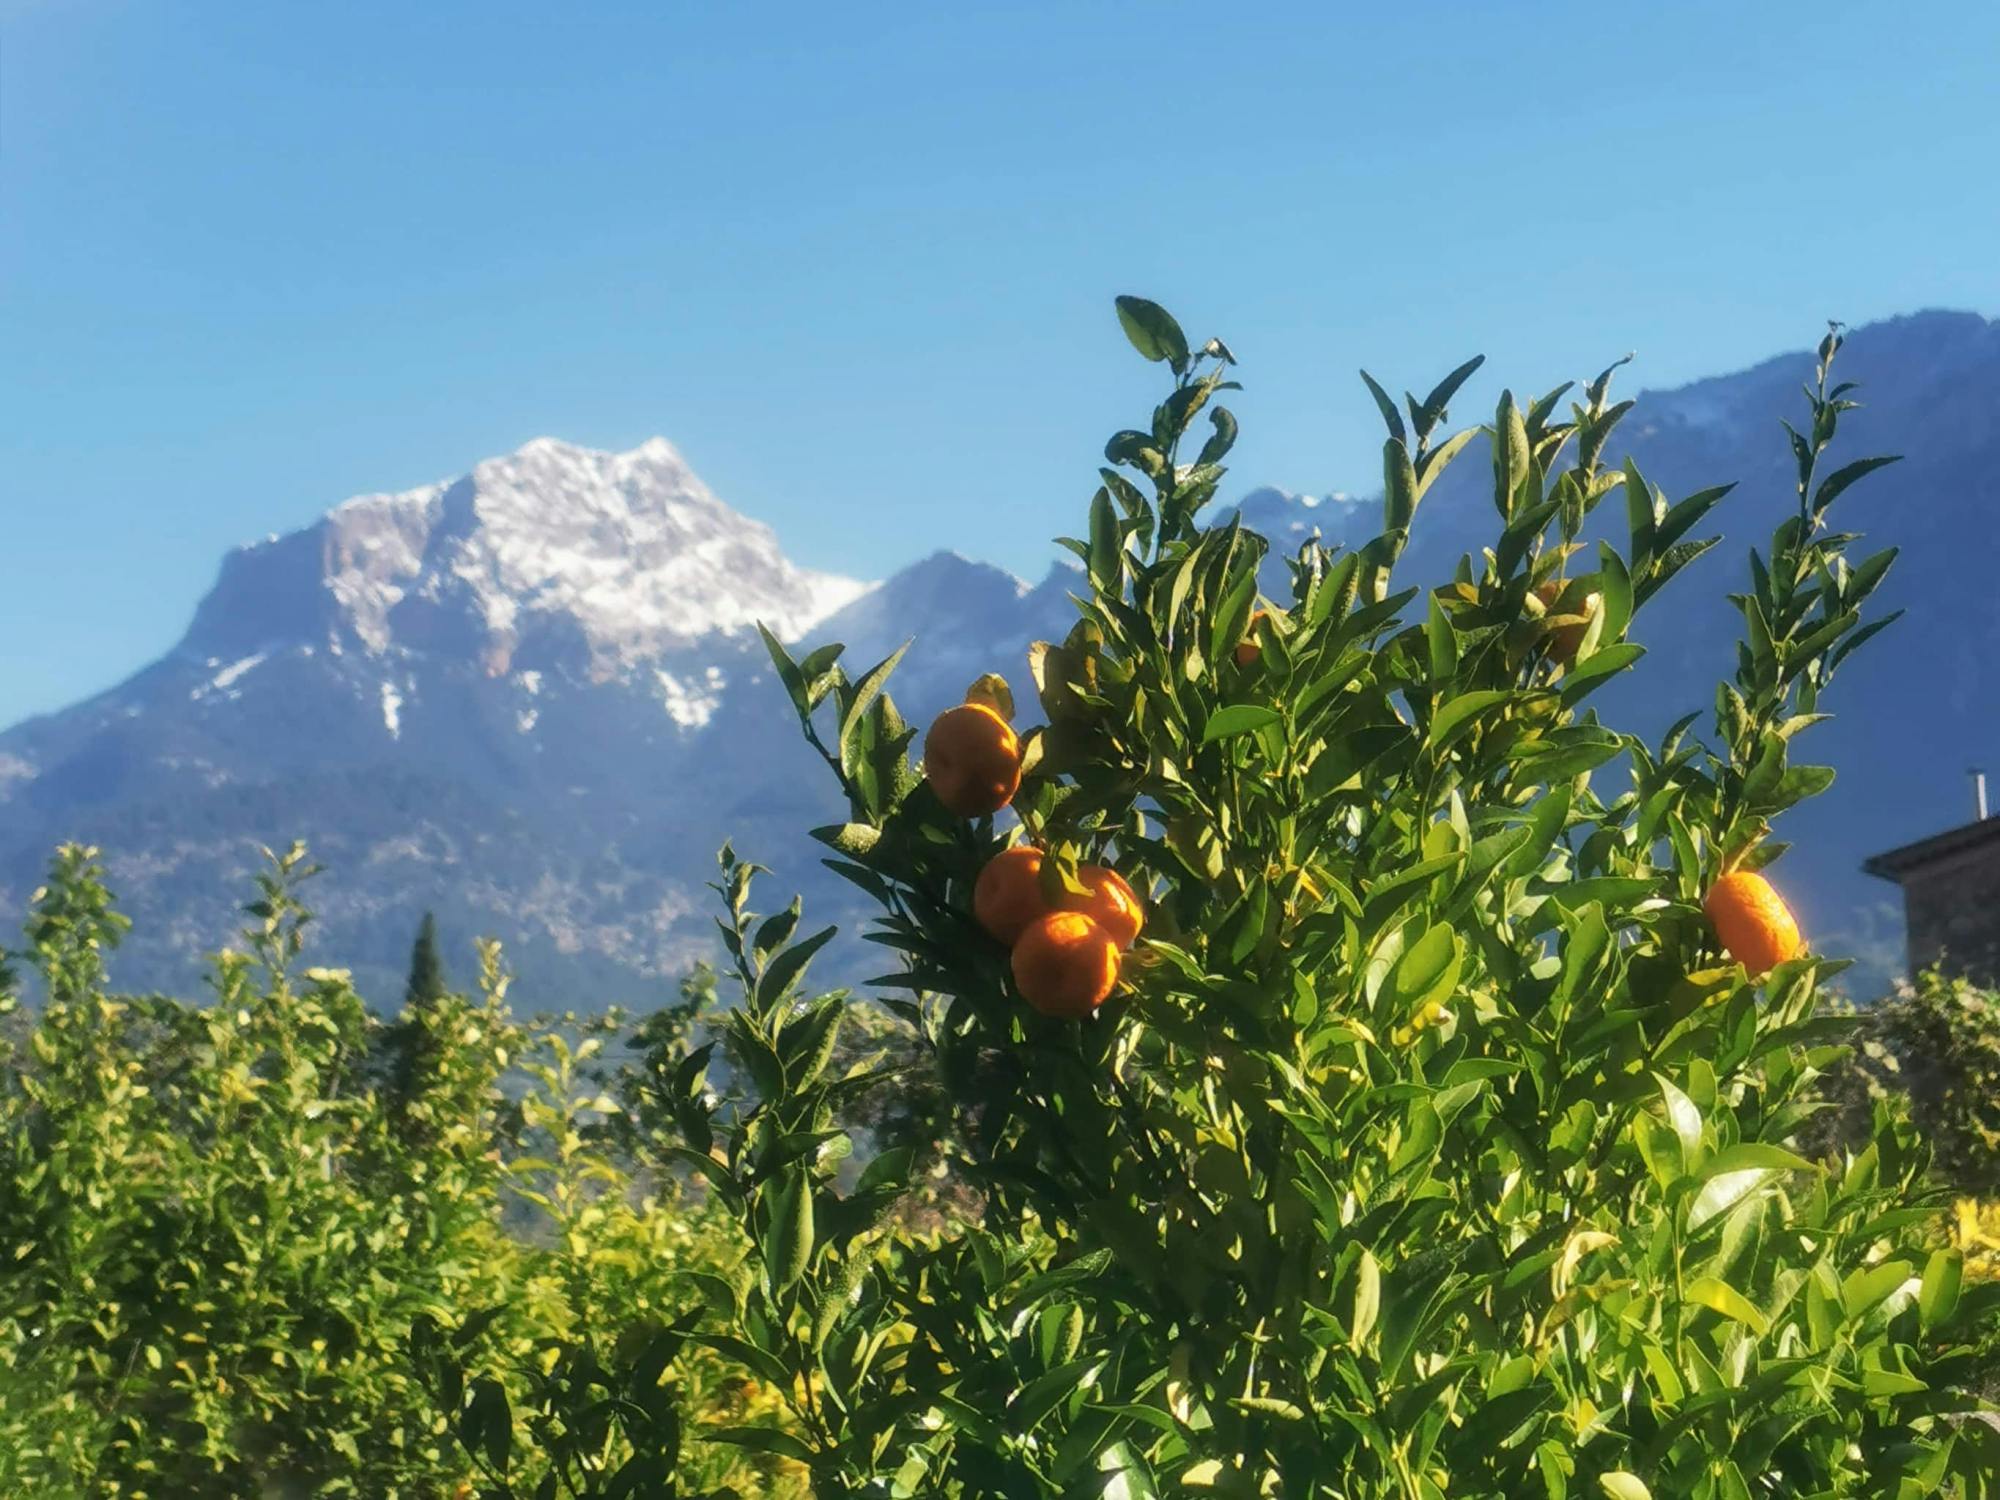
{"x":991,"y":691}
{"x":1711,"y":1292}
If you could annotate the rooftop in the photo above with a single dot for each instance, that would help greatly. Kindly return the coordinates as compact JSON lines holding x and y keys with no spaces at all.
{"x":1894,"y":864}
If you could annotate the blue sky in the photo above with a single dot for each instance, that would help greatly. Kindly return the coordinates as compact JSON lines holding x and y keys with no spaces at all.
{"x":857,"y":260}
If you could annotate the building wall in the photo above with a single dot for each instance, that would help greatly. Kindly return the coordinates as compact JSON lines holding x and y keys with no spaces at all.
{"x":1954,"y":913}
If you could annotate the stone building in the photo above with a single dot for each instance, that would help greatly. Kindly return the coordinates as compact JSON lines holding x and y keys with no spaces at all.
{"x":1951,"y":897}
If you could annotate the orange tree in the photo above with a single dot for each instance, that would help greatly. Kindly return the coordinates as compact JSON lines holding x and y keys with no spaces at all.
{"x":1431,"y":1142}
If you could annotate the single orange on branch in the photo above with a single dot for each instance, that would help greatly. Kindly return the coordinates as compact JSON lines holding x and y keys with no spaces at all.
{"x":1007,"y":896}
{"x":1065,"y":965}
{"x":1752,"y":922}
{"x":972,"y":760}
{"x":1250,"y":648}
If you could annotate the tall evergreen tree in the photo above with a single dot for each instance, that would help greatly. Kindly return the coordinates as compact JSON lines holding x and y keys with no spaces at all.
{"x":427,"y":982}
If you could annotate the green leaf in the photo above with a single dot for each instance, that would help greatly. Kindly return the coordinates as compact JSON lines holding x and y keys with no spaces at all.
{"x":1390,"y":415}
{"x":1796,"y":785}
{"x":1427,"y":970}
{"x":790,"y":1247}
{"x":487,"y":1422}
{"x":1747,"y":1154}
{"x":1106,"y":548}
{"x":1622,"y":1484}
{"x":1831,"y":487}
{"x":1712,"y":1292}
{"x":1939,"y":1298}
{"x":1684,"y":517}
{"x":1439,"y":459}
{"x":1512,"y":459}
{"x":787,"y":966}
{"x":1865,"y":634}
{"x":1238,"y":718}
{"x":1442,"y":641}
{"x":759,"y":1440}
{"x":1891,"y":1383}
{"x":1153,"y":331}
{"x":1269,"y":1406}
{"x":866,"y":690}
{"x":848,"y":838}
{"x":1434,"y":404}
{"x":1864,"y":1289}
{"x":1044,"y":1393}
{"x":1126,"y":1475}
{"x":1233,"y":618}
{"x":1221,"y":440}
{"x":1600,"y":664}
{"x":766,"y":1364}
{"x":887,"y":1171}
{"x":1734,"y":1173}
{"x":1399,"y":487}
{"x":1367,"y":1299}
{"x":1685,"y":1117}
{"x":1459,"y":712}
{"x":788,"y":672}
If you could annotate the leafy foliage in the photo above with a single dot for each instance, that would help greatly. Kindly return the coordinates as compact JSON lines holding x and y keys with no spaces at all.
{"x":1434,"y":1147}
{"x":221,"y":1225}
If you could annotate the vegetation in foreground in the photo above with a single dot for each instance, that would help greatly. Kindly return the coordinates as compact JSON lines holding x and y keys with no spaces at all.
{"x":1333,"y":1064}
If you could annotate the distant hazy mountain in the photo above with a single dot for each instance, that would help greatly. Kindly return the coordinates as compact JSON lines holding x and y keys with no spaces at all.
{"x":533,"y":698}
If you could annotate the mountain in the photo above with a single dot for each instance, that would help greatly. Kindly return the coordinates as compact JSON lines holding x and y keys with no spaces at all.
{"x":533,"y":698}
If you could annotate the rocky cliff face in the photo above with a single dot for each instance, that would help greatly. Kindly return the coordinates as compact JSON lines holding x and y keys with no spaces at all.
{"x":533,"y":699}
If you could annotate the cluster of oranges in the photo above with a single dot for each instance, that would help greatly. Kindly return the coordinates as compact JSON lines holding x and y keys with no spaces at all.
{"x":1067,"y":948}
{"x":1066,"y":952}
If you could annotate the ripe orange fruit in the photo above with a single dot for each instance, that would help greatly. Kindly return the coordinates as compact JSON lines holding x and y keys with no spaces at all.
{"x":1249,"y":648}
{"x":1008,"y":894}
{"x":1111,"y":904}
{"x":1566,"y":640}
{"x":972,"y":760}
{"x":1752,"y":921}
{"x":1008,"y":897}
{"x":1065,"y":965}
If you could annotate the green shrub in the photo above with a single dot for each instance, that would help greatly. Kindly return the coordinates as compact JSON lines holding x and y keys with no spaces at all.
{"x":222,"y":1225}
{"x":1931,"y":1048}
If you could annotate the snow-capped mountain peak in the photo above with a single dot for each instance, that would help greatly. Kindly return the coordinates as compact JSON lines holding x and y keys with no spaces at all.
{"x":623,"y":557}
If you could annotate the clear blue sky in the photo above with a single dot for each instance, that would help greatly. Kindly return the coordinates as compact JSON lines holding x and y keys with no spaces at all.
{"x":857,"y":260}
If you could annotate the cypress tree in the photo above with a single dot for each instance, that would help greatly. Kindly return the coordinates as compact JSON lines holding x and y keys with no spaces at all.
{"x":427,"y":983}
